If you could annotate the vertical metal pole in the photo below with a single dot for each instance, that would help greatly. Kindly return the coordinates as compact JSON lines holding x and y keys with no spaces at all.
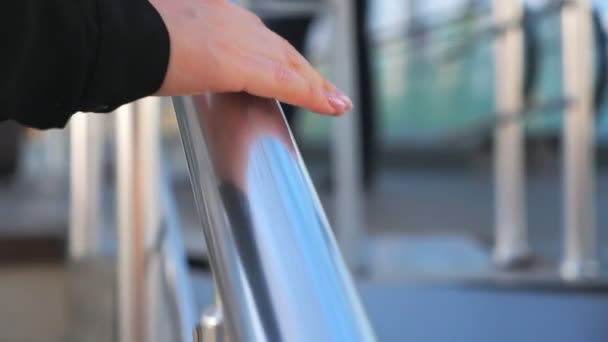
{"x":130,"y":235}
{"x":138,"y":212}
{"x":86,"y":140}
{"x":580,"y":251}
{"x":157,"y":328}
{"x":511,"y":244}
{"x":348,"y":199}
{"x":176,"y":272}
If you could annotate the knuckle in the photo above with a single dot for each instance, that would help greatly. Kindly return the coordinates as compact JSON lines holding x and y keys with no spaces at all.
{"x":313,"y":93}
{"x":282,"y":74}
{"x":328,"y":85}
{"x":219,"y":3}
{"x":293,"y":58}
{"x":254,"y":18}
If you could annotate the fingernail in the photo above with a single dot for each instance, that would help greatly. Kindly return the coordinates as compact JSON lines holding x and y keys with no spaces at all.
{"x":347,"y":101}
{"x":336,"y":102}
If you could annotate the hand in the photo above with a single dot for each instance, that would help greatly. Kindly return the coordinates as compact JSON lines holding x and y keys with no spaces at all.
{"x":220,"y":47}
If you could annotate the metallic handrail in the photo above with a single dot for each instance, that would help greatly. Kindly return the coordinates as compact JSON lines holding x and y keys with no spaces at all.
{"x":276,"y":265}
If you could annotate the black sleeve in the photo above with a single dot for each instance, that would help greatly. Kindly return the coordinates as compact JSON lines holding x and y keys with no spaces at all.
{"x":62,"y":56}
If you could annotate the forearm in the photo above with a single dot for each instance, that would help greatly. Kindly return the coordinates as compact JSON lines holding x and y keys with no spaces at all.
{"x":63,"y":56}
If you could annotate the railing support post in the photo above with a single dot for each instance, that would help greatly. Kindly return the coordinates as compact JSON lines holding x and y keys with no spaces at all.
{"x":511,"y":241}
{"x":580,"y":251}
{"x":137,"y":150}
{"x":86,"y":147}
{"x":347,"y":174}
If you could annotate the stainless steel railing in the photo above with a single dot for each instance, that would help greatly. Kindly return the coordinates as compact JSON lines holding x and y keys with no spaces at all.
{"x":278,"y":270}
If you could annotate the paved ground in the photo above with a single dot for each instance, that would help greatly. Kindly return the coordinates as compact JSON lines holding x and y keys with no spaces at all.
{"x":33,"y":304}
{"x":55,"y":303}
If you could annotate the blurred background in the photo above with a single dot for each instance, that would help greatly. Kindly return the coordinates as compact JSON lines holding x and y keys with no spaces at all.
{"x":449,"y":249}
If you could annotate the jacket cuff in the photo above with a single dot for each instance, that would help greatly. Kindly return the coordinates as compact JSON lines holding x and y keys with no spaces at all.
{"x":132,"y":55}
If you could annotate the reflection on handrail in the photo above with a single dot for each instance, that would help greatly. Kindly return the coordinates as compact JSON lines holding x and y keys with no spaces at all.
{"x":278,"y":270}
